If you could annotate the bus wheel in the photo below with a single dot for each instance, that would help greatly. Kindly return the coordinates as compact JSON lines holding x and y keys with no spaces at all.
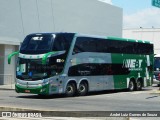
{"x":139,"y":85}
{"x":83,"y":89}
{"x":70,"y":90}
{"x":131,"y":85}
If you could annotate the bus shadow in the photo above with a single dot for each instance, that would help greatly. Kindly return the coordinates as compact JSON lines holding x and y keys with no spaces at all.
{"x":58,"y":96}
{"x":41,"y":96}
{"x":114,"y":91}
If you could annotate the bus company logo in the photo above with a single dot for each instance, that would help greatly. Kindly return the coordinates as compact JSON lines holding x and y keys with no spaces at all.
{"x":60,"y":60}
{"x":6,"y":114}
{"x":132,"y":64}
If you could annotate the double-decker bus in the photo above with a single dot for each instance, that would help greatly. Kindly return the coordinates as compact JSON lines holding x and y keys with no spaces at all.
{"x":75,"y":64}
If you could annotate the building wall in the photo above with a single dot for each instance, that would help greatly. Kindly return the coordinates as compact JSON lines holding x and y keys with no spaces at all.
{"x":1,"y":64}
{"x":150,"y":34}
{"x":21,"y":17}
{"x":9,"y":69}
{"x":7,"y":72}
{"x":88,"y":16}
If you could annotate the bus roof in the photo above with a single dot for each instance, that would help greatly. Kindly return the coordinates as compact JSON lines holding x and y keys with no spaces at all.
{"x":50,"y":33}
{"x":130,"y":40}
{"x":97,"y":36}
{"x":113,"y":38}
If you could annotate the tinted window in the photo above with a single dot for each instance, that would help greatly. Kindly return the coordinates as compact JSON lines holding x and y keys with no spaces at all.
{"x":91,"y":69}
{"x":37,"y":44}
{"x":46,"y":42}
{"x":62,"y":42}
{"x":29,"y":69}
{"x":86,"y":44}
{"x":116,"y":46}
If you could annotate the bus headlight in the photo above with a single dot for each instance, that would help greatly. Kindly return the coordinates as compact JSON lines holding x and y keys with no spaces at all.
{"x":17,"y":83}
{"x":40,"y":85}
{"x":45,"y":82}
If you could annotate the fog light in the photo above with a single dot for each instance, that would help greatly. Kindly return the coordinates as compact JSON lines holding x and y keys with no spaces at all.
{"x":43,"y":89}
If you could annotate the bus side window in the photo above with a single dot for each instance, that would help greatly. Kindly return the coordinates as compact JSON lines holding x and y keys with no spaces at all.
{"x":78,"y":47}
{"x":58,"y":44}
{"x":85,"y":44}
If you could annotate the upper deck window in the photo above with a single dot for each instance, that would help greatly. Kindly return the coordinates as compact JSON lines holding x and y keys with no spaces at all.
{"x":46,"y":42}
{"x":37,"y":44}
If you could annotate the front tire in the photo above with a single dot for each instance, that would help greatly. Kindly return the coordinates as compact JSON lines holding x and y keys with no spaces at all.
{"x":70,"y":90}
{"x":83,"y":89}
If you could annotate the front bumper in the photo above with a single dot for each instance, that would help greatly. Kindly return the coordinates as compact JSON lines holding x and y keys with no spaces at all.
{"x":44,"y":90}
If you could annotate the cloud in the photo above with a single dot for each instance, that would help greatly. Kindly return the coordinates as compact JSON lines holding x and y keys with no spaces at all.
{"x":144,"y":18}
{"x":106,"y":1}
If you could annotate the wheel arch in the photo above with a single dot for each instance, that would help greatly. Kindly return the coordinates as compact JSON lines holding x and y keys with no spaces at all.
{"x":141,"y":80}
{"x":83,"y":80}
{"x":70,"y":81}
{"x":139,"y":83}
{"x":129,"y":79}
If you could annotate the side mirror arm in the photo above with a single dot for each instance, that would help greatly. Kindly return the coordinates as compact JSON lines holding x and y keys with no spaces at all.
{"x":11,"y":55}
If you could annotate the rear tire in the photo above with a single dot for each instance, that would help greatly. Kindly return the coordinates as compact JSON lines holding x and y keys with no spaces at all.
{"x":70,"y":90}
{"x":83,"y":89}
{"x":139,"y":85}
{"x":131,"y":85}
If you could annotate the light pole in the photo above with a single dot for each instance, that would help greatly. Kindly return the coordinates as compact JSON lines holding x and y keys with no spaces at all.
{"x":141,"y":32}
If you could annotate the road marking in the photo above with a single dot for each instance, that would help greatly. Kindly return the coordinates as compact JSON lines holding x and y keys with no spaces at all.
{"x":155,"y":92}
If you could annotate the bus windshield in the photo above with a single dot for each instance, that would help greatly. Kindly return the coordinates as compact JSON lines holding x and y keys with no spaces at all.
{"x":37,"y":44}
{"x":33,"y":69}
{"x":156,"y":63}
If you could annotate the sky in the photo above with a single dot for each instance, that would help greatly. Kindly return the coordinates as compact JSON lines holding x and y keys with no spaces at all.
{"x":138,"y":13}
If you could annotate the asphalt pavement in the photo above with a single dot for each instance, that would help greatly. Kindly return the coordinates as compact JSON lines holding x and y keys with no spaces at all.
{"x":147,"y":99}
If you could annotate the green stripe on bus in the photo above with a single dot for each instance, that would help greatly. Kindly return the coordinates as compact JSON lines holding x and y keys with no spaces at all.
{"x":44,"y":59}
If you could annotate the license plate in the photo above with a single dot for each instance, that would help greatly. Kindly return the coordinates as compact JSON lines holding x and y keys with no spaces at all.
{"x":27,"y":91}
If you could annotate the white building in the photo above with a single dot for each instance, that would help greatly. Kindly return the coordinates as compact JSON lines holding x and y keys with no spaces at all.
{"x":21,"y":17}
{"x":150,"y":34}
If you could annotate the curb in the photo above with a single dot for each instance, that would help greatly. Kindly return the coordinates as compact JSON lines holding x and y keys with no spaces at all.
{"x":14,"y":109}
{"x":7,"y":89}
